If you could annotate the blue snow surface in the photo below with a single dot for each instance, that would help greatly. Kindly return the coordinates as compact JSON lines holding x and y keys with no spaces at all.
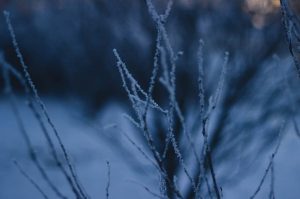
{"x":93,"y":142}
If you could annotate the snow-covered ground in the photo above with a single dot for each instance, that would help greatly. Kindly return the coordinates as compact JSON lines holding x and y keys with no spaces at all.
{"x":91,"y":144}
{"x":85,"y":144}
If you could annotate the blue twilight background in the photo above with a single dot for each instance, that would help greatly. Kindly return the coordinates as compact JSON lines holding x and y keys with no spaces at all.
{"x":68,"y":45}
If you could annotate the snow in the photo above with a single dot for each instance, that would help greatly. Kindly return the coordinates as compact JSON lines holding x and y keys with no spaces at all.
{"x":89,"y":154}
{"x":92,"y":143}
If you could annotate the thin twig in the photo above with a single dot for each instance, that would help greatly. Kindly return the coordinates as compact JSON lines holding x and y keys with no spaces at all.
{"x":41,"y":104}
{"x":8,"y":88}
{"x":148,"y":190}
{"x":30,"y":179}
{"x":108,"y":180}
{"x":272,"y":182}
{"x":274,"y":153}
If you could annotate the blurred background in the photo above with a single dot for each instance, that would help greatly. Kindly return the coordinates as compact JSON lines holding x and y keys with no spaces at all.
{"x":68,"y":45}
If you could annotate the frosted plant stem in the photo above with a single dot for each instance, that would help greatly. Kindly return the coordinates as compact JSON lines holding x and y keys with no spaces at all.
{"x":121,"y":65}
{"x":25,"y":135}
{"x":209,"y":159}
{"x":41,"y":104}
{"x":290,"y":30}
